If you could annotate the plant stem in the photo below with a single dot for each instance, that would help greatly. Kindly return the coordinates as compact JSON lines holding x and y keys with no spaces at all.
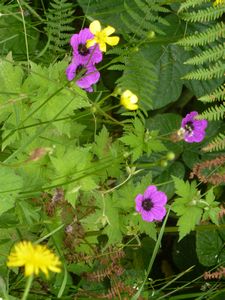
{"x":27,"y":288}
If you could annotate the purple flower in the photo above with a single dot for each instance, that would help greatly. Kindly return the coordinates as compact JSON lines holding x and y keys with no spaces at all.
{"x":151,"y":205}
{"x":192,"y":130}
{"x":81,"y":53}
{"x":89,"y":75}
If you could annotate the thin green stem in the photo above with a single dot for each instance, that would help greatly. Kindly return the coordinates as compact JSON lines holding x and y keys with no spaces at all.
{"x":27,"y":288}
{"x":155,"y":251}
{"x":25,"y":35}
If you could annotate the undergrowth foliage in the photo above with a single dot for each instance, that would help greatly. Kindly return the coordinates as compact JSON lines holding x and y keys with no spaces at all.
{"x":104,"y":154}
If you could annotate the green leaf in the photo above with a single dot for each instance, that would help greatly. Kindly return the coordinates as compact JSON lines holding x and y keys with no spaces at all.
{"x":185,"y":190}
{"x":112,"y":229}
{"x":208,"y":247}
{"x":12,"y":32}
{"x":147,"y":227}
{"x":175,"y":168}
{"x":11,"y":185}
{"x":188,"y":220}
{"x":51,"y":91}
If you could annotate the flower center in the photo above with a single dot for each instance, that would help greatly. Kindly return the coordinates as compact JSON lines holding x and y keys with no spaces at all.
{"x":100,"y":36}
{"x":147,"y":204}
{"x":81,"y":70}
{"x":189,"y":127}
{"x":83,"y":50}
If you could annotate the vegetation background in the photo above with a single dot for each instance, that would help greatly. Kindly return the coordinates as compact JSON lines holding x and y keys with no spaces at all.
{"x":73,"y":162}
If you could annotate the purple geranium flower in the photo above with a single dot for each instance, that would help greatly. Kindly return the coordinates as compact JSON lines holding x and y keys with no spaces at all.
{"x":151,"y":205}
{"x":81,"y":53}
{"x":89,"y":74}
{"x":192,"y":130}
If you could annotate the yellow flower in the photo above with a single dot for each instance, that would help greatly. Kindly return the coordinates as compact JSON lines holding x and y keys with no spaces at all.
{"x":101,"y":36}
{"x":129,"y":100}
{"x":34,"y":258}
{"x":218,"y":2}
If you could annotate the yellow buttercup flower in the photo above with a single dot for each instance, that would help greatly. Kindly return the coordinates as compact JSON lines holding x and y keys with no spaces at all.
{"x":34,"y":258}
{"x":218,"y":2}
{"x":129,"y":100}
{"x":102,"y":36}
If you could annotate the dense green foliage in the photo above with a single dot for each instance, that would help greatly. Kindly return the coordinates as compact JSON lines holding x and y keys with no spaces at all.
{"x":72,"y":162}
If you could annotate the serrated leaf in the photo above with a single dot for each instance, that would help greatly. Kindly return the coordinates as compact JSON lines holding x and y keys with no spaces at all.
{"x":102,"y":143}
{"x":147,"y":227}
{"x":188,"y":220}
{"x":11,"y":184}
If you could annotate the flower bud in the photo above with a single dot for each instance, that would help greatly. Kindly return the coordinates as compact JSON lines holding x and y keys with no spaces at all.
{"x":151,"y":34}
{"x":170,"y":156}
{"x":163,"y":163}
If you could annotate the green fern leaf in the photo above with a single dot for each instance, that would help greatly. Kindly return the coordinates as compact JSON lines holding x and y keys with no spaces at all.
{"x":60,"y":17}
{"x":215,"y":71}
{"x":209,"y":55}
{"x":137,"y":70}
{"x":205,"y":15}
{"x":202,"y":38}
{"x":213,"y":113}
{"x":191,"y":4}
{"x":217,"y":144}
{"x":217,"y":95}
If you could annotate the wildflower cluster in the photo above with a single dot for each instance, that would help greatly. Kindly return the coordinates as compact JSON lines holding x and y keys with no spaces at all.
{"x":88,"y":46}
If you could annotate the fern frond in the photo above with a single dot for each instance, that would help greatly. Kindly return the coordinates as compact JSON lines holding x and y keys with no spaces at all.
{"x":204,"y":15}
{"x":190,"y":4}
{"x":117,"y":67}
{"x":215,"y":71}
{"x":202,"y":38}
{"x":139,"y":77}
{"x":60,"y":17}
{"x":209,"y":55}
{"x":217,"y":144}
{"x":213,"y":113}
{"x":217,"y":95}
{"x":141,"y":17}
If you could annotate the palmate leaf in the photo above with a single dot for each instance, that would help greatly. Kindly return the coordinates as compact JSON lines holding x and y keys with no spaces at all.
{"x":50,"y":92}
{"x":186,"y":206}
{"x":188,"y":221}
{"x":11,"y":185}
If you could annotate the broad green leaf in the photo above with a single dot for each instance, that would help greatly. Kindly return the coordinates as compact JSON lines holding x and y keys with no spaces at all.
{"x":208,"y":247}
{"x":11,"y":185}
{"x":12,"y":32}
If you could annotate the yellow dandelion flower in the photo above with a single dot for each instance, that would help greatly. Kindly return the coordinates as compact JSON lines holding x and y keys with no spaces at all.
{"x":102,"y":36}
{"x":33,"y":258}
{"x":218,"y":2}
{"x":129,"y":100}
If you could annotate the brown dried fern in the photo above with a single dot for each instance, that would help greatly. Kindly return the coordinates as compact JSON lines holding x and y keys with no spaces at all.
{"x":215,"y":275}
{"x":215,"y":178}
